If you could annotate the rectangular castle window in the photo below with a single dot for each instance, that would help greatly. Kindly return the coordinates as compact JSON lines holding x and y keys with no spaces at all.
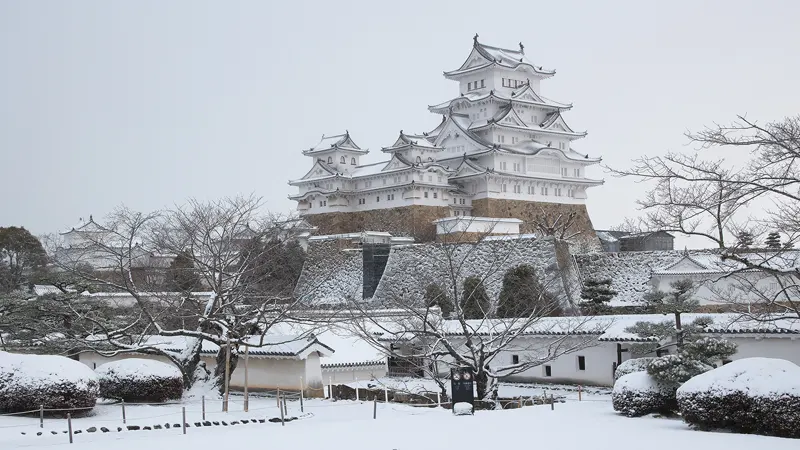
{"x":548,"y":371}
{"x":581,"y":363}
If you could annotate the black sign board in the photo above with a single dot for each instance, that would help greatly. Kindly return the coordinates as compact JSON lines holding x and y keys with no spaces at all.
{"x":461,"y":381}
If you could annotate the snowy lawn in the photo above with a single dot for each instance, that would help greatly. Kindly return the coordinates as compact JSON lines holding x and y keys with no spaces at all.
{"x":513,"y":390}
{"x":350,"y":425}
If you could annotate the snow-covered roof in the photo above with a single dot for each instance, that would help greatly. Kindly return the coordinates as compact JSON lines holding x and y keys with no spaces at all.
{"x":605,"y":236}
{"x":297,"y":346}
{"x":517,"y":96}
{"x":89,"y":226}
{"x":337,"y":141}
{"x":612,"y":328}
{"x":712,"y":263}
{"x":411,"y":140}
{"x":483,"y":56}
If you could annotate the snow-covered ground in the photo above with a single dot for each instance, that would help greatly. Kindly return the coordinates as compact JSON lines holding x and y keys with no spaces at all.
{"x":506,"y":390}
{"x":350,"y":425}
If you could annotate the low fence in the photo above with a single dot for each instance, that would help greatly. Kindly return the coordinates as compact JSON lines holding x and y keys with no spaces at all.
{"x":204,"y":412}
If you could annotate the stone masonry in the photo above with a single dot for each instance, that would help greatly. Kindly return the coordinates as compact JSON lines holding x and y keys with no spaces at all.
{"x":415,"y":221}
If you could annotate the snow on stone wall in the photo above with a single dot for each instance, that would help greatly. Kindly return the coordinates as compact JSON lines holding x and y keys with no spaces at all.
{"x":412,"y":268}
{"x":629,"y":271}
{"x":330,"y":274}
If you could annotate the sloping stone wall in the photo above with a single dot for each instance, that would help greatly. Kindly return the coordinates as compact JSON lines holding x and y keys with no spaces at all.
{"x":331,"y":274}
{"x":412,"y":268}
{"x":629,"y":271}
{"x":529,"y":211}
{"x":415,"y":221}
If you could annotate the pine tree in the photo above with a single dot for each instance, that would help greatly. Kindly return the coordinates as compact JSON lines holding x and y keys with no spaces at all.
{"x":773,"y":240}
{"x":522,"y":294}
{"x":678,"y":300}
{"x":697,"y":353}
{"x":475,"y":301}
{"x":596,"y":294}
{"x":745,"y":239}
{"x":182,"y":275}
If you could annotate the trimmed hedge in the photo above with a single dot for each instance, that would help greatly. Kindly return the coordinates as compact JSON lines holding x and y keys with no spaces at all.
{"x":631,"y":366}
{"x":55,"y":382}
{"x":638,"y":394}
{"x":140,"y":380}
{"x":753,"y":395}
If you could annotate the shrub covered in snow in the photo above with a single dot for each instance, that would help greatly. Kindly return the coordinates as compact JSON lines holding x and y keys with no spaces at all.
{"x":631,"y":366}
{"x":30,"y":381}
{"x":637,"y":394}
{"x":752,"y":395}
{"x":140,"y":380}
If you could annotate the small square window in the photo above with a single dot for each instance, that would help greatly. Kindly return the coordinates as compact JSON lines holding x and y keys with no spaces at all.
{"x":581,"y":363}
{"x":514,"y":359}
{"x":548,"y":371}
{"x":378,"y":198}
{"x":426,"y":195}
{"x":435,"y":195}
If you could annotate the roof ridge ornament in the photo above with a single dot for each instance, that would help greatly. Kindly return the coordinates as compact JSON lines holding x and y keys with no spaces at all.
{"x":475,"y":39}
{"x":521,"y":49}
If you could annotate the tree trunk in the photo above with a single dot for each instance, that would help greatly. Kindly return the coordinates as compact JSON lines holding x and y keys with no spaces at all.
{"x":678,"y":330}
{"x":219,"y":369}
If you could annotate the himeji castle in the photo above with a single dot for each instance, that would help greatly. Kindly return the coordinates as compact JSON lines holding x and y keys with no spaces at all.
{"x":502,"y":149}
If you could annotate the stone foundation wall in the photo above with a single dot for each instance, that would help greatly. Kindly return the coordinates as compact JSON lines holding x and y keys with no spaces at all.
{"x":415,"y":221}
{"x":529,"y":211}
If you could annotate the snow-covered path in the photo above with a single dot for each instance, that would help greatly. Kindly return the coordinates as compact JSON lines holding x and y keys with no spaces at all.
{"x":349,"y":425}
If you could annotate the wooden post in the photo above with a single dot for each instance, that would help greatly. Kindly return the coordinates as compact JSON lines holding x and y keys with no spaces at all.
{"x":204,"y":406}
{"x":278,"y":398}
{"x":358,"y":399}
{"x":375,"y":408}
{"x":386,"y":394}
{"x":285,"y":406}
{"x":123,"y":412}
{"x":579,"y":393}
{"x":227,"y":374}
{"x":330,"y":388}
{"x":302,"y":387}
{"x":246,"y":394}
{"x":183,"y":422}
{"x":439,"y":399}
{"x":69,"y":426}
{"x":520,"y":402}
{"x":283,"y":423}
{"x":41,"y":416}
{"x":552,"y":403}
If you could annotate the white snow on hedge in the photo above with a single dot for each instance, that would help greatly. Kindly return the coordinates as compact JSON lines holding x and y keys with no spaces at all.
{"x":638,"y":382}
{"x":34,"y":371}
{"x":632,"y":365}
{"x":133,"y":368}
{"x":757,"y":377}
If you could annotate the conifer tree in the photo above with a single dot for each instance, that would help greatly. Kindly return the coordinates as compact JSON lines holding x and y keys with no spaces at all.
{"x":596,"y":293}
{"x":773,"y":240}
{"x":522,"y":294}
{"x":476,"y":303}
{"x":436,"y":296}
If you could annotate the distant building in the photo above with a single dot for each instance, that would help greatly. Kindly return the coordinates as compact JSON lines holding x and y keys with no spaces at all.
{"x":623,"y":241}
{"x":501,"y":150}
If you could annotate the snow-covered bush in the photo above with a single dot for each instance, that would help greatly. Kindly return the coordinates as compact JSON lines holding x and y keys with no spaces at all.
{"x":140,"y":380}
{"x":637,"y":394}
{"x":631,"y":366}
{"x":55,"y":382}
{"x":462,"y":409}
{"x":752,"y":395}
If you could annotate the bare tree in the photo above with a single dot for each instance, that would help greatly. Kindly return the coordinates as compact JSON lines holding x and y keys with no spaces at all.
{"x":701,"y":195}
{"x":468,"y":274}
{"x":226,"y":243}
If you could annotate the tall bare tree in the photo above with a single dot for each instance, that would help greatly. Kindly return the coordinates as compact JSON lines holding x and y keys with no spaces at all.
{"x":702,"y":195}
{"x":468,"y":273}
{"x":226,"y":243}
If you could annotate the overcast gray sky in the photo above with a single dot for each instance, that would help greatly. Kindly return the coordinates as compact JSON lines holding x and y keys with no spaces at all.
{"x":148,"y":103}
